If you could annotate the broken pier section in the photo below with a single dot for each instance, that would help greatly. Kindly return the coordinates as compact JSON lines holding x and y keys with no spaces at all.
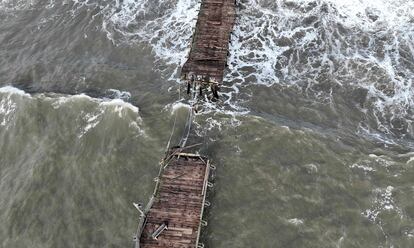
{"x":173,"y":217}
{"x":209,"y":50}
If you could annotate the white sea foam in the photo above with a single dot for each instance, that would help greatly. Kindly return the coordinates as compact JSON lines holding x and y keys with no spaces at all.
{"x":375,"y":163}
{"x":264,"y":33}
{"x":409,"y":233}
{"x":179,"y":105}
{"x":9,"y":6}
{"x":296,"y":221}
{"x":362,"y":167}
{"x":312,"y":168}
{"x":9,"y":99}
{"x":392,"y":13}
{"x":409,"y":156}
{"x":117,"y":94}
{"x":92,"y":120}
{"x":7,"y":108}
{"x":10,"y":90}
{"x":320,"y":45}
{"x":166,"y":25}
{"x":212,"y":123}
{"x":383,"y":202}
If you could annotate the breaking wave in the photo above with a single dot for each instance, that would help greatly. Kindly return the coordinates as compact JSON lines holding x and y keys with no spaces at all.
{"x":84,"y":112}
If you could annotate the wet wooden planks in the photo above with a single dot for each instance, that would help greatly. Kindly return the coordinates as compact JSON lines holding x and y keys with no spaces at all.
{"x":208,"y":56}
{"x":179,"y":201}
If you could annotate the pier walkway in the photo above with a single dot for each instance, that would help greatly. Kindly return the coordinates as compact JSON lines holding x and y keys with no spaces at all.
{"x":209,"y":50}
{"x":173,"y":218}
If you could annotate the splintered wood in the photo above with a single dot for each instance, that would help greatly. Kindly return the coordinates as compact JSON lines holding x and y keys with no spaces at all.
{"x":208,"y":56}
{"x":174,"y":218}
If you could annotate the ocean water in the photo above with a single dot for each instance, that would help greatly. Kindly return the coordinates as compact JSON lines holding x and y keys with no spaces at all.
{"x":313,"y":136}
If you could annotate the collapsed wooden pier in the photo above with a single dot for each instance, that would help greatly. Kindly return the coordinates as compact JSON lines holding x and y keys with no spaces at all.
{"x":208,"y":56}
{"x":173,"y":217}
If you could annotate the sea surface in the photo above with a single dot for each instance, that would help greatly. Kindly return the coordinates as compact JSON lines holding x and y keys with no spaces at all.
{"x":312,"y":137}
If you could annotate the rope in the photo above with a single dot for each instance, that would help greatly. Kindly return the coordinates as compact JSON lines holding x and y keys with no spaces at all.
{"x":186,"y":133}
{"x":189,"y":121}
{"x":175,"y":121}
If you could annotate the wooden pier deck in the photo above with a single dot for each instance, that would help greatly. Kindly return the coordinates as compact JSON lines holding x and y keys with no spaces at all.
{"x":208,"y":56}
{"x":176,"y":209}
